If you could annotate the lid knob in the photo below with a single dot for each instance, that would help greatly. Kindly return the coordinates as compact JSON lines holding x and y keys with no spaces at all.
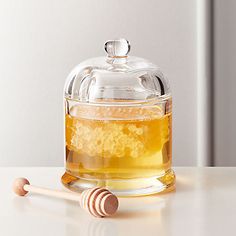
{"x":117,"y":48}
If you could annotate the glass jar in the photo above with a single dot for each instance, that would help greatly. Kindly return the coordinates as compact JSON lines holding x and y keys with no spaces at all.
{"x":118,"y":125}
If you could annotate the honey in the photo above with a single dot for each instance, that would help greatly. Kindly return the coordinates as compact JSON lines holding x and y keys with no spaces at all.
{"x":115,"y":143}
{"x":118,"y":125}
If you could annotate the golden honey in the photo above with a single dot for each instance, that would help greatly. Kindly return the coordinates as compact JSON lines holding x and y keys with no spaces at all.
{"x":118,"y":125}
{"x":117,"y":143}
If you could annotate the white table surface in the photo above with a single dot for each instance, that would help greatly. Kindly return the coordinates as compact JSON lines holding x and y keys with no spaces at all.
{"x":204,"y":203}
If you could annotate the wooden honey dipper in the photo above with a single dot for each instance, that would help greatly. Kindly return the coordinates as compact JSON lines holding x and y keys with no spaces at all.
{"x":99,"y":202}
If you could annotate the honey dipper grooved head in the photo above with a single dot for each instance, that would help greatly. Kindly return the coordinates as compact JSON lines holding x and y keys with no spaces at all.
{"x":18,"y":186}
{"x":99,"y":202}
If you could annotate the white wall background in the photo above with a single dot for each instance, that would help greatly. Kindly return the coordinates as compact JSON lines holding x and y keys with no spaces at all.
{"x":41,"y":41}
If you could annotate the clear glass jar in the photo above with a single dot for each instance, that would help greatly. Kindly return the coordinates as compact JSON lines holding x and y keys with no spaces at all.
{"x":118,"y":125}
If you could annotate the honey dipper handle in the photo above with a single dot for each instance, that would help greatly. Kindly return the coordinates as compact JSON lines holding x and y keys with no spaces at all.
{"x":52,"y":192}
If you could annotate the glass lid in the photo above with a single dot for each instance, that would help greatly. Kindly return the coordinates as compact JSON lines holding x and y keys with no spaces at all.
{"x":116,"y":78}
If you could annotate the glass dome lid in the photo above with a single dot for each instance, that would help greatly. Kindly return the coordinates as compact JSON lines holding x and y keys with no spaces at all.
{"x":117,"y":78}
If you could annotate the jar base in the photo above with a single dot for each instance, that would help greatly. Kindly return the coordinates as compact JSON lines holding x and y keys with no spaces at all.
{"x":124,"y":188}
